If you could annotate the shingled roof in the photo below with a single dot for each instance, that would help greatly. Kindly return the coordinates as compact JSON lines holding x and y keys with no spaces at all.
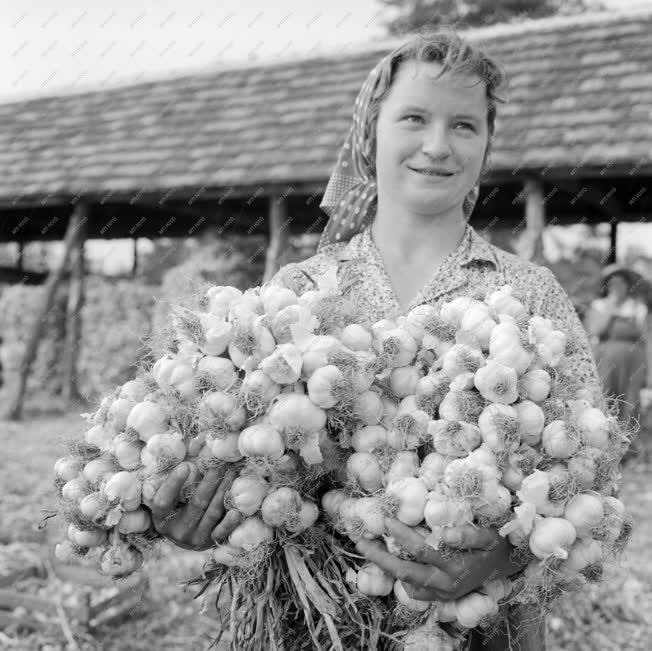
{"x":580,"y":95}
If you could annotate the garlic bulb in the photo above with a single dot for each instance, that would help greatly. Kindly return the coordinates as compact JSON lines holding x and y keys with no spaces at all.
{"x":220,"y":299}
{"x":325,"y":386}
{"x":462,"y":358}
{"x":552,"y":537}
{"x":472,"y":608}
{"x":506,"y":348}
{"x":585,"y":512}
{"x":217,"y":333}
{"x":356,"y":337}
{"x":409,"y":428}
{"x":162,"y":450}
{"x":412,"y":495}
{"x":399,"y":345}
{"x":594,"y":427}
{"x":497,"y":382}
{"x":557,"y":441}
{"x":148,"y":418}
{"x":275,"y":298}
{"x":417,"y":319}
{"x":535,"y":385}
{"x":284,"y":364}
{"x":531,"y":421}
{"x":454,"y":310}
{"x":477,"y":321}
{"x":454,"y":438}
{"x":500,"y":427}
{"x":503,"y":301}
{"x":374,"y":581}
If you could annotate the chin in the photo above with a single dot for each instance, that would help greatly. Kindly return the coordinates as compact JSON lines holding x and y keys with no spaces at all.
{"x":434,"y":197}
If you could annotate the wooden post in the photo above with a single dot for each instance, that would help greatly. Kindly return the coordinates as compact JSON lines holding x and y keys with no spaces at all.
{"x":21,"y":252}
{"x":648,"y":333}
{"x":134,"y":268}
{"x":531,"y":244}
{"x":613,"y":240}
{"x":15,"y":406}
{"x":58,"y":328}
{"x":278,"y":236}
{"x":69,"y":388}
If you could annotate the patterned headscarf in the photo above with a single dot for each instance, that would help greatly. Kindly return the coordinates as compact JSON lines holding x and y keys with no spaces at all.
{"x":351,"y":194}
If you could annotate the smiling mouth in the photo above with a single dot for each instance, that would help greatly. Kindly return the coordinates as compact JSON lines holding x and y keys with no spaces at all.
{"x":435,"y":173}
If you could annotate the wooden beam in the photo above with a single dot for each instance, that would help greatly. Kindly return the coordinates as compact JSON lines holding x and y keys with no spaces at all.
{"x":587,"y":193}
{"x":244,"y":193}
{"x":15,"y":405}
{"x":278,"y":236}
{"x":69,"y":387}
{"x":530,"y":245}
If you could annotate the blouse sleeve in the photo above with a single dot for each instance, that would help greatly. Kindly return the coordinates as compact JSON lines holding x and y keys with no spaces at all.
{"x":641,"y":316}
{"x":307,"y":274}
{"x":553,"y":303}
{"x":292,"y":277}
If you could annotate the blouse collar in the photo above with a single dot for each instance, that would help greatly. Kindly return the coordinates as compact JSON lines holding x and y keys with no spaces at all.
{"x":451,"y":274}
{"x":472,"y":248}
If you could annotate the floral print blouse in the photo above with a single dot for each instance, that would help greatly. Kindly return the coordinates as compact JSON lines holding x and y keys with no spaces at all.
{"x":474,"y":268}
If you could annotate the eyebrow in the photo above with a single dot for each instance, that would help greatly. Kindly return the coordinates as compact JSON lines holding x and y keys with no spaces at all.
{"x":464,"y":116}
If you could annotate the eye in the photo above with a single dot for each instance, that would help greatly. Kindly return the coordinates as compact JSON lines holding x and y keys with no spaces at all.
{"x":413,"y":115}
{"x":467,"y":125}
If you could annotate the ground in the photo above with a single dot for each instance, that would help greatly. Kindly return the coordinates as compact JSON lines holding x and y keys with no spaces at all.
{"x":615,"y":614}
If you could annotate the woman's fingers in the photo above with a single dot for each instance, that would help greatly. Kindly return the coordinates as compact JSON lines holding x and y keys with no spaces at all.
{"x":165,"y":500}
{"x":417,"y":574}
{"x":469,"y":536}
{"x":228,"y":523}
{"x":423,"y":594}
{"x":414,"y":543}
{"x":201,"y":498}
{"x":215,"y":510}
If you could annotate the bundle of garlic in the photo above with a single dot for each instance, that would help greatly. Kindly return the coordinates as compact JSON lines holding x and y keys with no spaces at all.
{"x":257,"y":381}
{"x":463,"y":414}
{"x":480,"y":421}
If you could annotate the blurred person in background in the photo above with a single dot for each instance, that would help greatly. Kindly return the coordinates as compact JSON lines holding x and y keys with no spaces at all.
{"x":617,"y":322}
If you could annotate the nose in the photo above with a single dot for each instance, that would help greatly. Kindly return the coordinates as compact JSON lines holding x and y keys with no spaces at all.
{"x":436,"y":142}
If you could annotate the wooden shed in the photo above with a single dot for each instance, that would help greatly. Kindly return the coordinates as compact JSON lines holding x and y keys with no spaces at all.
{"x":250,"y":148}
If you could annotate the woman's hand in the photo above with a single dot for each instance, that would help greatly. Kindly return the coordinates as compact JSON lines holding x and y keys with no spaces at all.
{"x":203,"y":521}
{"x":432,"y":577}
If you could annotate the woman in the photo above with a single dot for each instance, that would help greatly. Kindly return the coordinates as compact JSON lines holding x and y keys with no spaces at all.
{"x":618,"y":324}
{"x":403,"y":188}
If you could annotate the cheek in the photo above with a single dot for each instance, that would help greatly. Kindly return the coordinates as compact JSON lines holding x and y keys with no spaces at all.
{"x":390,"y":150}
{"x":472,"y":151}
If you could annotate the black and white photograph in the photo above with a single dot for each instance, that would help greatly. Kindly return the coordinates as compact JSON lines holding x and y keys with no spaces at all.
{"x":325,"y":326}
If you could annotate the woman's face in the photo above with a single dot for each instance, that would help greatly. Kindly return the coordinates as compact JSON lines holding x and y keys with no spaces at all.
{"x":431,"y":137}
{"x":617,"y":286}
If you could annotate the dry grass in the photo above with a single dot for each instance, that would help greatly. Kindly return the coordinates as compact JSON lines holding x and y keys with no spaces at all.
{"x":617,"y":614}
{"x":167,"y":618}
